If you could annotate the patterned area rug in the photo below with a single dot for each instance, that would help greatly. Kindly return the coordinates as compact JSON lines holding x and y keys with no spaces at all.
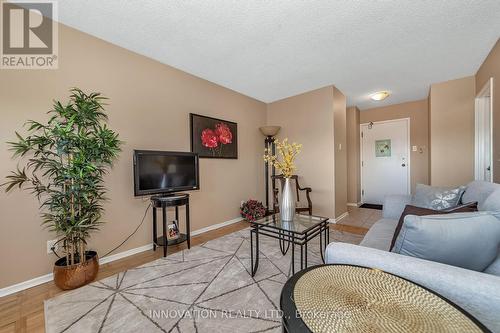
{"x":205,"y":289}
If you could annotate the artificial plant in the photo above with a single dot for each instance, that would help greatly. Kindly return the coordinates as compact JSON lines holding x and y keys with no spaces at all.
{"x":285,"y":161}
{"x":65,"y":160}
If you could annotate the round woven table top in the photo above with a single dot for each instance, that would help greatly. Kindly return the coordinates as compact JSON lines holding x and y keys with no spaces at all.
{"x":342,"y":298}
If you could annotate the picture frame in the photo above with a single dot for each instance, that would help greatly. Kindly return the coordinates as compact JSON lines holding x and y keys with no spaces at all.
{"x":213,"y":137}
{"x":383,"y":148}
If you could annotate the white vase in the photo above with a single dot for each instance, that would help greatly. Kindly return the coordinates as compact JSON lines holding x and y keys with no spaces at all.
{"x":287,"y":205}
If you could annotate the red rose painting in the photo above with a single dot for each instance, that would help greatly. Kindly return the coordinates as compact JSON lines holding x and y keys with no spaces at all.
{"x":223,"y":133}
{"x":209,"y":139}
{"x":215,"y":138}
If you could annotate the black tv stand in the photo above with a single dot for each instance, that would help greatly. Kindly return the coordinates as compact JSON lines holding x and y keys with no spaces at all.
{"x":167,"y":196}
{"x":164,"y":201}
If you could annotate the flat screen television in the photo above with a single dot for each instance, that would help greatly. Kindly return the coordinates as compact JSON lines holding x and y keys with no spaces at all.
{"x":162,"y":172}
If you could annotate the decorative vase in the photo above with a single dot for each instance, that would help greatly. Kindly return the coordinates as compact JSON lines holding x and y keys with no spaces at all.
{"x":77,"y":275}
{"x":287,"y":206}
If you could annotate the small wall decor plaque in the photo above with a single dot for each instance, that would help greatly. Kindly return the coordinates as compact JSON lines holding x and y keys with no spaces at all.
{"x":383,"y":148}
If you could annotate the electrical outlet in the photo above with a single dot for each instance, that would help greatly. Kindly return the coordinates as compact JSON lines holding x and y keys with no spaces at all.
{"x":414,"y":148}
{"x":51,"y":244}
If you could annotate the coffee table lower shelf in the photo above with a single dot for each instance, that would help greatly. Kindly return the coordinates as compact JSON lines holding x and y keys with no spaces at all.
{"x":289,"y":234}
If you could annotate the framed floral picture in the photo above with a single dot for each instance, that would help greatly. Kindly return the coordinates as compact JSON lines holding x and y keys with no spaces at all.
{"x":383,"y":148}
{"x":213,"y":138}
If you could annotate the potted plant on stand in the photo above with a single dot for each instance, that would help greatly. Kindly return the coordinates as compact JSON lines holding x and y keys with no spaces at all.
{"x":65,"y":160}
{"x":284,"y":161}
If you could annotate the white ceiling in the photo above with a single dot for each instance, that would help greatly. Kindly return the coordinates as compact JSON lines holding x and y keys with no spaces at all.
{"x":270,"y":50}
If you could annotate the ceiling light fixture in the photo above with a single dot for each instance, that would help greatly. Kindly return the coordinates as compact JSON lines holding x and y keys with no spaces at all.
{"x":379,"y":95}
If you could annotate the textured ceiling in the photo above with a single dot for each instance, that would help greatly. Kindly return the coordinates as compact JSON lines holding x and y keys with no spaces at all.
{"x":270,"y":50}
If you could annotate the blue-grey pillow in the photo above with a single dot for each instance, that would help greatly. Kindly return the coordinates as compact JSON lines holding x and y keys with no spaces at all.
{"x":468,"y":240}
{"x":494,"y":267}
{"x":479,"y":190}
{"x":492,"y":202}
{"x":437,"y":198}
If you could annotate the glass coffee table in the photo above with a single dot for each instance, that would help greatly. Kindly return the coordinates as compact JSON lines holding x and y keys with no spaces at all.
{"x":299,"y":232}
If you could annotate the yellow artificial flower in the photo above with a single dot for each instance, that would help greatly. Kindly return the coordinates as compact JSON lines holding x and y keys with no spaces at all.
{"x":287,"y":152}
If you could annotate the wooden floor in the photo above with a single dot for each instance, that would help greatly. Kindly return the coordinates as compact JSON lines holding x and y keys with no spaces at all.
{"x":23,"y":311}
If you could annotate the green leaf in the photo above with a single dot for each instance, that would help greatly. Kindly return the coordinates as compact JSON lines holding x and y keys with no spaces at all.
{"x":69,"y":154}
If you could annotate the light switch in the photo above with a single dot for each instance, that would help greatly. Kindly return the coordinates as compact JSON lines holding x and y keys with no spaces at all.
{"x":340,"y":146}
{"x":414,"y":148}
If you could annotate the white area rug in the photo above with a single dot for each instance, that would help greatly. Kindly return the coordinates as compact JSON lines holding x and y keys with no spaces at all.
{"x":205,"y":289}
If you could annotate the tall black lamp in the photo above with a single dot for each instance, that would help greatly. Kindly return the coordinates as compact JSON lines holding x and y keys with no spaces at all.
{"x":269,"y":132}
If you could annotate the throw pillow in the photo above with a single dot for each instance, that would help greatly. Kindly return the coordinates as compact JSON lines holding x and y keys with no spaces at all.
{"x":468,"y":240}
{"x":492,"y":203}
{"x":438,"y":198}
{"x":463,"y":208}
{"x":479,"y":190}
{"x":413,"y":210}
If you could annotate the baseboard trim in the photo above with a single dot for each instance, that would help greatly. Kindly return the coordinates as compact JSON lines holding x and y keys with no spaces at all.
{"x":25,"y":285}
{"x":49,"y":277}
{"x":125,"y":254}
{"x":354,"y":204}
{"x":337,"y":219}
{"x":216,"y":226}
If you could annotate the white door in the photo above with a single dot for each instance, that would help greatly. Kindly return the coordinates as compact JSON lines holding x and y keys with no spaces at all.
{"x":385,"y":163}
{"x":484,"y":134}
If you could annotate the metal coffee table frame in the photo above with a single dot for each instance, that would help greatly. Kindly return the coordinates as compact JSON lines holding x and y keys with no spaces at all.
{"x":287,"y":238}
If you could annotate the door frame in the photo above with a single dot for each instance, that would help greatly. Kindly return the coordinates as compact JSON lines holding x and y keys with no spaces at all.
{"x":480,"y":106}
{"x":408,"y":122}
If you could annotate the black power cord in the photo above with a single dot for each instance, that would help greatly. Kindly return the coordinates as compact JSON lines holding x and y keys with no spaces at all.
{"x":133,"y":233}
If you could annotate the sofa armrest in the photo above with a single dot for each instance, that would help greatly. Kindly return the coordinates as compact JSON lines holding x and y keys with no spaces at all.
{"x":394,"y":206}
{"x":477,"y":293}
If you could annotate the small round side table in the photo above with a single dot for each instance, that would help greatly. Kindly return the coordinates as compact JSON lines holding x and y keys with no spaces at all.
{"x":346,"y":298}
{"x":163,"y":202}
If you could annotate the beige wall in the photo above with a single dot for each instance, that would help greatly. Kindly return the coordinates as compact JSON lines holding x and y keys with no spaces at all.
{"x":353,"y":158}
{"x":491,"y":68}
{"x":340,"y":146}
{"x":452,"y":132}
{"x":149,"y":107}
{"x":418,"y":113}
{"x":308,"y":119}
